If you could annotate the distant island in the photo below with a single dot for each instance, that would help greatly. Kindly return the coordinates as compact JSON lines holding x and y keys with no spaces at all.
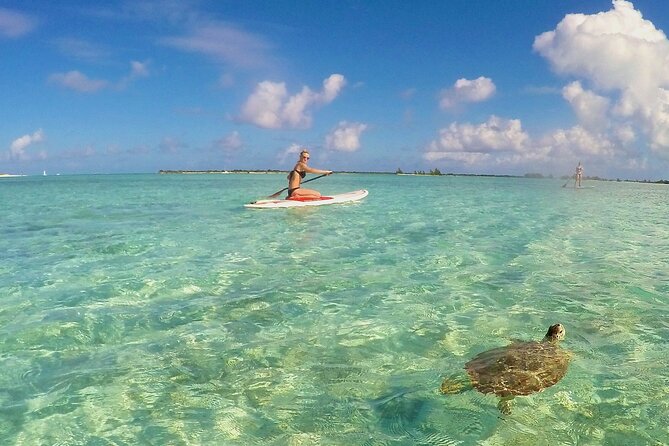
{"x":198,"y":172}
{"x":433,"y":172}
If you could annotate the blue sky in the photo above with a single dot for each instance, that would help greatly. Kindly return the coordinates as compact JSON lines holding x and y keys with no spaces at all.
{"x":466,"y":86}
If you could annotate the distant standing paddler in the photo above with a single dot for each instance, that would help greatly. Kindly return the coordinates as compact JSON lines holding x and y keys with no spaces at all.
{"x":579,"y":175}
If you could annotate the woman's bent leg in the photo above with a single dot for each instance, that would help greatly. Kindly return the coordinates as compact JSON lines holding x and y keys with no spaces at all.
{"x":306,"y":193}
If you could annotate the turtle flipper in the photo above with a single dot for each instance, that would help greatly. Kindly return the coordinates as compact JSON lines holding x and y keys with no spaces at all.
{"x":453,"y":385}
{"x":504,"y":405}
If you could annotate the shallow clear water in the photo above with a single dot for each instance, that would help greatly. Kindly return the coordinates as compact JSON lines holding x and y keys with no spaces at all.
{"x":155,"y":309}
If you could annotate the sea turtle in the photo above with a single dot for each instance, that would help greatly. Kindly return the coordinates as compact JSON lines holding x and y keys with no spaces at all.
{"x":520,"y":368}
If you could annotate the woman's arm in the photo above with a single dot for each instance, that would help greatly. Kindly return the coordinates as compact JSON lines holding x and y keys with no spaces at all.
{"x":312,"y":170}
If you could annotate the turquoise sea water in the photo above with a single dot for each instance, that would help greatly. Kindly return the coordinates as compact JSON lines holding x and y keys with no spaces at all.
{"x":155,"y":309}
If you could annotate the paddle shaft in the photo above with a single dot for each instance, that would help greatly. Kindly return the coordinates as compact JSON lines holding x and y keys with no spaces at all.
{"x":565,"y":184}
{"x":274,"y":195}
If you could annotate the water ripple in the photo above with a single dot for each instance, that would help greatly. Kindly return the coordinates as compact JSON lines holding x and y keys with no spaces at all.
{"x":159,"y":318}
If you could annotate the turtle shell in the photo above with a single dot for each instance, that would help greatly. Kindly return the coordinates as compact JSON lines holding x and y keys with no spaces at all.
{"x":520,"y":368}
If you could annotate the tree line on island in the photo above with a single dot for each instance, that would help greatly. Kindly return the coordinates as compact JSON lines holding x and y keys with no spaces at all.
{"x":434,"y":171}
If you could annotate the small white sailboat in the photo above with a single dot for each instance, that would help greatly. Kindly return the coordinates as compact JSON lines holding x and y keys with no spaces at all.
{"x":44,"y":173}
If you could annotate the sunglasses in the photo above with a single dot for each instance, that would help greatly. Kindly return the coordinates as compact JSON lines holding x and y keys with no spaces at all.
{"x":305,"y":157}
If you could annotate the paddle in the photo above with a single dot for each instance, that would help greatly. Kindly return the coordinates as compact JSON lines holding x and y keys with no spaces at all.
{"x":565,"y":184}
{"x":276,"y":194}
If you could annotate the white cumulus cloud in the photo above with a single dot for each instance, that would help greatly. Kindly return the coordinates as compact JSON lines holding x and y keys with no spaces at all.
{"x":171,"y":145}
{"x":613,"y":49}
{"x":224,"y":43}
{"x":345,"y":137}
{"x":576,"y":142}
{"x":465,"y":90}
{"x":590,"y":108}
{"x":14,"y":24}
{"x":270,"y":106}
{"x":229,"y":143}
{"x":77,"y":81}
{"x":17,"y":150}
{"x":494,"y":135}
{"x":138,"y":70}
{"x":626,"y":61}
{"x":289,"y":153}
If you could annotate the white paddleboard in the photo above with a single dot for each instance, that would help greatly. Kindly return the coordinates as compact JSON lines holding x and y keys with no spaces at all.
{"x":332,"y":199}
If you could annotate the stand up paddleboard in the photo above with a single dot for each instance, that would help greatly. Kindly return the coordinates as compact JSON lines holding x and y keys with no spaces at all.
{"x":292,"y":203}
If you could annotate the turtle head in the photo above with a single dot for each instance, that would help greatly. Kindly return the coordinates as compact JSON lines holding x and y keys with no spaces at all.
{"x":555,"y":333}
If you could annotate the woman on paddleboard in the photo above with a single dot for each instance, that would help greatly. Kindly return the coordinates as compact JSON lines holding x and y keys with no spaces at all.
{"x":297,"y":174}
